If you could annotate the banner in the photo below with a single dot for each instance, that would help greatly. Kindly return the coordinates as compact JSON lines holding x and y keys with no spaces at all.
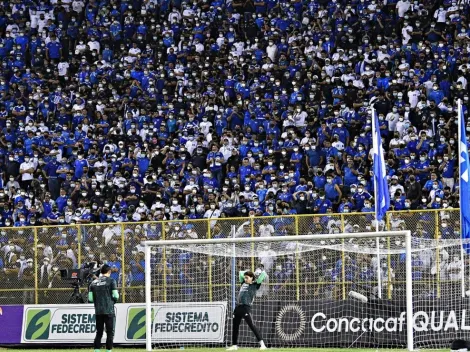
{"x":316,"y":323}
{"x":348,"y":323}
{"x":189,"y":322}
{"x":10,"y":324}
{"x":59,"y":323}
{"x":172,"y":322}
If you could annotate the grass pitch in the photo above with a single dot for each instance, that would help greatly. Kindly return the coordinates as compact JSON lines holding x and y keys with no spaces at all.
{"x":207,"y":349}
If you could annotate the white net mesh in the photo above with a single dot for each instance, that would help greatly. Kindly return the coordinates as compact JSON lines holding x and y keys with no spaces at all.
{"x":290,"y":246}
{"x":317,"y":293}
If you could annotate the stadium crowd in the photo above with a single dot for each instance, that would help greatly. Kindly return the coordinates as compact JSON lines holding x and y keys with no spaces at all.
{"x":123,"y":111}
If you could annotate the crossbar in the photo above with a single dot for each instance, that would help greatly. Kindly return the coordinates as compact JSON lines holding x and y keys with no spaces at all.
{"x":280,"y":238}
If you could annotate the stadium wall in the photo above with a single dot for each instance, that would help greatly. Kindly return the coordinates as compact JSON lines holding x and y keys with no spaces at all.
{"x":314,"y":323}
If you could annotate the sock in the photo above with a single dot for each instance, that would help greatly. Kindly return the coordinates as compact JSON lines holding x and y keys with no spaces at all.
{"x":261,"y":343}
{"x":97,"y":351}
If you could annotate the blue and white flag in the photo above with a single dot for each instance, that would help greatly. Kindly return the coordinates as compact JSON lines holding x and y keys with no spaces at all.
{"x":57,"y":98}
{"x":464,"y":182}
{"x":382,"y":194}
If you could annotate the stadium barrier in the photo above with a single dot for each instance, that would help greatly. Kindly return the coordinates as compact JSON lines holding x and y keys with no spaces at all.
{"x":75,"y":324}
{"x":72,"y":324}
{"x":313,"y":323}
{"x":119,"y":245}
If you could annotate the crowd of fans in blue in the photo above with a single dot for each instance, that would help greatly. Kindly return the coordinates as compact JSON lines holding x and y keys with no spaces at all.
{"x":122,"y":111}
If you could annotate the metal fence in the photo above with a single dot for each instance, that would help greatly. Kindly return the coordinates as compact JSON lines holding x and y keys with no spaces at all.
{"x":31,"y":257}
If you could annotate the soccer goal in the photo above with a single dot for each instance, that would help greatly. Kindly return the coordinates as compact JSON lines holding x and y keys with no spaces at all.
{"x":352,"y":290}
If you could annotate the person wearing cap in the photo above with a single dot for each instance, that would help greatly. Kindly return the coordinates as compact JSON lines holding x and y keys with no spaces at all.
{"x":395,"y":186}
{"x":44,"y":272}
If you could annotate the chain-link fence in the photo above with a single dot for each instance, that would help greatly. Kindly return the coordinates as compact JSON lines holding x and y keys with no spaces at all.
{"x":33,"y":259}
{"x":436,"y":272}
{"x":17,"y":274}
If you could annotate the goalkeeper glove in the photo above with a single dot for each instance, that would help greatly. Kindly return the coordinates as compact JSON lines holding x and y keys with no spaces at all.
{"x":260,"y":275}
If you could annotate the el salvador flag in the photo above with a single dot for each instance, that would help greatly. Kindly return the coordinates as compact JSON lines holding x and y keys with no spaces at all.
{"x":382,"y":195}
{"x":464,"y":182}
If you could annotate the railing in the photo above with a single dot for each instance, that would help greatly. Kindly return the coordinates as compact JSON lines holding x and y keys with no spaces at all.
{"x":71,"y":246}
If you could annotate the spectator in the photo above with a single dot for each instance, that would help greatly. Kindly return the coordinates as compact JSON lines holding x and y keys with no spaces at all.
{"x":182,"y":112}
{"x":413,"y":190}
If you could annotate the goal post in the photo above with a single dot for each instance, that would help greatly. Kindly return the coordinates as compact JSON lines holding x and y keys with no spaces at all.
{"x":228,"y":251}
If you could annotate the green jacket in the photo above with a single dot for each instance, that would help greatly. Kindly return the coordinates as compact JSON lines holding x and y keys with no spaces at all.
{"x":247,"y":293}
{"x":103,"y":293}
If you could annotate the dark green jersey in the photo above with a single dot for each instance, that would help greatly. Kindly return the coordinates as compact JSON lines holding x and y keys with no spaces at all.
{"x":101,"y":292}
{"x":247,"y":293}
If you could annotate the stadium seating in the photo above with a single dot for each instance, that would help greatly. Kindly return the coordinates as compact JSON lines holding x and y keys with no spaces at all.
{"x":118,"y":116}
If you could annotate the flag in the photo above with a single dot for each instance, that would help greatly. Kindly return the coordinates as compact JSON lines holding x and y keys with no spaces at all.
{"x":382,"y":195}
{"x":57,"y":98}
{"x":464,"y":182}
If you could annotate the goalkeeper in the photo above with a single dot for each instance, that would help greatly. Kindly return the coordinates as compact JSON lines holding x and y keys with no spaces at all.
{"x":251,"y":282}
{"x":103,"y":293}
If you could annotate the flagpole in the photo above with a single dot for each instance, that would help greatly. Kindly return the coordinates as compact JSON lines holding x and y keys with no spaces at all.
{"x":376,"y":201}
{"x":462,"y":256}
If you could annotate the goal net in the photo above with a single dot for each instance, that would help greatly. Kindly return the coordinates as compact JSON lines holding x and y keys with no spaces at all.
{"x":337,"y":290}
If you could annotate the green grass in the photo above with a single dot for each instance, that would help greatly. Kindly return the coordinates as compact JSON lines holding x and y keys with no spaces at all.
{"x":209,"y":349}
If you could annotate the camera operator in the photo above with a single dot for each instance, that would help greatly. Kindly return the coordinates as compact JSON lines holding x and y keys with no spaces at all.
{"x":103,"y":293}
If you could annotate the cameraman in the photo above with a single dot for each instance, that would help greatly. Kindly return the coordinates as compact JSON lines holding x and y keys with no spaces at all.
{"x":103,"y":293}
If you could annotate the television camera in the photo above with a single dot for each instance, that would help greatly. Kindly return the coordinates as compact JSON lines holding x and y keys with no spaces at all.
{"x":79,"y":278}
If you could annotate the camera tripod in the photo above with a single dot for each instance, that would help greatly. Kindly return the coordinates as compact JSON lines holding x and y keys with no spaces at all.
{"x":76,"y":296}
